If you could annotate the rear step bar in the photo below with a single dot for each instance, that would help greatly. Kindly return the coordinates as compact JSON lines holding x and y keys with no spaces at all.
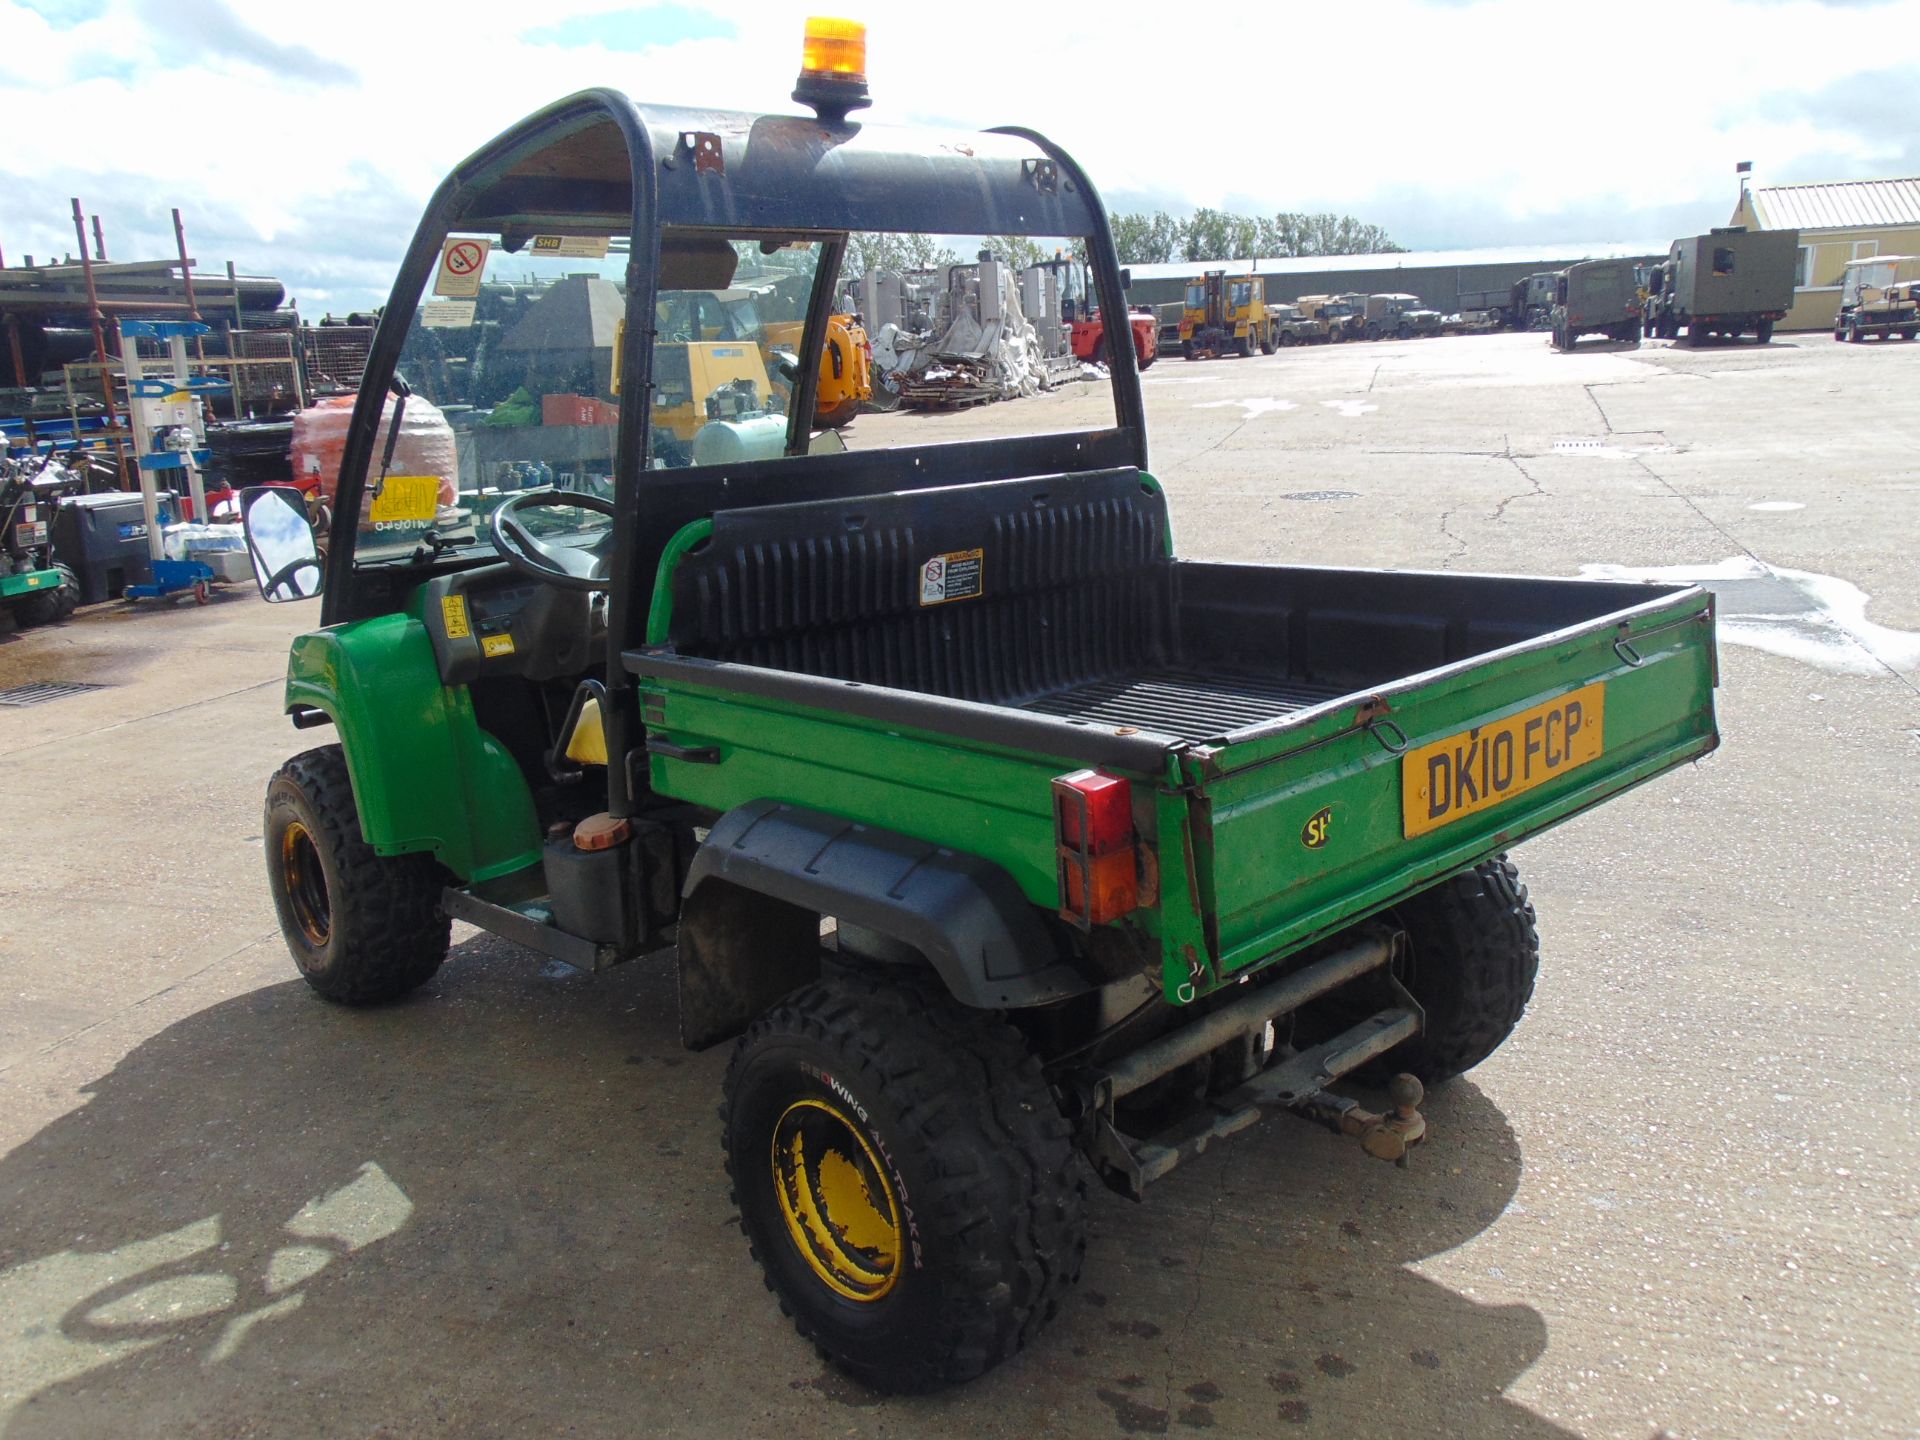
{"x":1130,"y":1164}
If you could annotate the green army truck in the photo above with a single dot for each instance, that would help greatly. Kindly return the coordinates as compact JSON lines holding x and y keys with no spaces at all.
{"x":1730,"y":282}
{"x":1398,"y":316}
{"x":1005,"y":844}
{"x":1596,"y":297}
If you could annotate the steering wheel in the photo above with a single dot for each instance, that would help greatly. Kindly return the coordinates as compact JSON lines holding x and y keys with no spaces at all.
{"x":571,"y":567}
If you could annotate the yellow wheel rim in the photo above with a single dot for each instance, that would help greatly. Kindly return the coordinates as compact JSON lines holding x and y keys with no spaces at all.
{"x":306,"y":883}
{"x":839,"y":1207}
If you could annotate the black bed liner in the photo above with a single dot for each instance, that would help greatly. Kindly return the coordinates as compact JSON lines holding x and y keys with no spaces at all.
{"x":1179,"y":700}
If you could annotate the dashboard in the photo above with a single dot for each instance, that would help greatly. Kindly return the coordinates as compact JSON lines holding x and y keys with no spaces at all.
{"x":494,"y":620}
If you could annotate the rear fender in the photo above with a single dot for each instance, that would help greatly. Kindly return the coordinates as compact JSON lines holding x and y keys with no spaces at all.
{"x":767,"y":874}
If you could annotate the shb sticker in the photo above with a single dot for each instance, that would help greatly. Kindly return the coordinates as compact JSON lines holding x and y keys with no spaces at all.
{"x":951,"y":577}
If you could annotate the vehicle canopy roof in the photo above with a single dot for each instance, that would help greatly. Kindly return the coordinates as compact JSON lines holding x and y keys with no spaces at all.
{"x":685,"y":183}
{"x":580,"y":161}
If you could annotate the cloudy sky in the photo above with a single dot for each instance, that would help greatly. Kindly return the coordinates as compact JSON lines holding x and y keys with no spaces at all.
{"x":302,"y":140}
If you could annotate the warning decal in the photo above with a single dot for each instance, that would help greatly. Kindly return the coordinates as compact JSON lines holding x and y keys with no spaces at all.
{"x":957,"y":576}
{"x":584,"y":247}
{"x":462,"y":262}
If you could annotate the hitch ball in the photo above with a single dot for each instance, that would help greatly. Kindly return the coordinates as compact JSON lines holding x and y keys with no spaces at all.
{"x":1391,"y":1136}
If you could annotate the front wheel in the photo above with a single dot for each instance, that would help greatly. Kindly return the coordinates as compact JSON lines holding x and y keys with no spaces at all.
{"x":904,"y":1178}
{"x":1474,"y":955}
{"x":362,"y":927}
{"x":1763,"y":332}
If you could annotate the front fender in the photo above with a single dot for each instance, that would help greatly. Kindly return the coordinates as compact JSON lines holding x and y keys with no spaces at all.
{"x":425,"y":776}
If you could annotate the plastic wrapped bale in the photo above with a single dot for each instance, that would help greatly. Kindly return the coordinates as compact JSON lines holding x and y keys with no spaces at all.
{"x":426,"y":447}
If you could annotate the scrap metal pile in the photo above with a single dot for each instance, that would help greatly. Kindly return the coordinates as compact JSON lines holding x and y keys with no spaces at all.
{"x":960,"y":337}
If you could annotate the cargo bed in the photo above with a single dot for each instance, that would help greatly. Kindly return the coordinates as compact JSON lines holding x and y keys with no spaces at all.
{"x":797,"y":658}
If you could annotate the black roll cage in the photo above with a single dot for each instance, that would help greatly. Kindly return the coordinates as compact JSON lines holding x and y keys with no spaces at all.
{"x":721,"y":170}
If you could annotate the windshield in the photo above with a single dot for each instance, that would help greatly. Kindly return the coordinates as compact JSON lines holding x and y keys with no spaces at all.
{"x":1240,"y":293}
{"x":1196,"y":297}
{"x":513,"y":363}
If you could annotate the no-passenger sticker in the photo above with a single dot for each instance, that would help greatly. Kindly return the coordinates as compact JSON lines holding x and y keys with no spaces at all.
{"x":462,"y":263}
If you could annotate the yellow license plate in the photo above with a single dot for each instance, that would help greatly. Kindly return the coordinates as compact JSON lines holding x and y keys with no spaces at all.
{"x":1469,"y":772}
{"x":406,"y":497}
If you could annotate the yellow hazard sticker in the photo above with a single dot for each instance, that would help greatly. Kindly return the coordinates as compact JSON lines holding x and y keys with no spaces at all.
{"x":494,"y":646}
{"x":453,"y":612}
{"x":406,"y":497}
{"x":955,"y":576}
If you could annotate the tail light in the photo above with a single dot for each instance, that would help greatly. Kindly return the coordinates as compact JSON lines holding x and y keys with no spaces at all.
{"x":1099,"y":868}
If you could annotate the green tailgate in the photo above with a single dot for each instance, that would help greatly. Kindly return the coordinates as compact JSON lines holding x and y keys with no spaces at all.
{"x":1298,"y":831}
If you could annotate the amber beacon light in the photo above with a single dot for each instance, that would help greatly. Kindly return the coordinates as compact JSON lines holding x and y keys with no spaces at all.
{"x":833,"y":68}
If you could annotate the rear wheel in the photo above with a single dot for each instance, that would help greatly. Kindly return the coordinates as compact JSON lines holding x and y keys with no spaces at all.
{"x":904,"y":1178}
{"x":1474,"y":955}
{"x":1763,"y":332}
{"x":1267,"y":343}
{"x":362,"y":927}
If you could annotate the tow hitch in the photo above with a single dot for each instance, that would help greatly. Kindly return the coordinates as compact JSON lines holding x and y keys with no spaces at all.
{"x":1391,"y":1136}
{"x":1295,"y":1083}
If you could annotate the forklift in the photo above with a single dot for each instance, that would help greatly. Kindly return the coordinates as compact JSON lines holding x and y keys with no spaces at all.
{"x":1228,"y":317}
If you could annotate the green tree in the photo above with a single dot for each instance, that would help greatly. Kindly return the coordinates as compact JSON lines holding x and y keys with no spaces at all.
{"x":1019,"y":251}
{"x":1144,"y":239}
{"x":872,"y":250}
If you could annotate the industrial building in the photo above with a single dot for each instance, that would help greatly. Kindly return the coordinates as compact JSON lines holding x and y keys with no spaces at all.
{"x":1439,"y":277}
{"x":1838,"y":222}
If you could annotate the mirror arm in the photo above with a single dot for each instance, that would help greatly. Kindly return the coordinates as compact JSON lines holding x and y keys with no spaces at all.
{"x":400,"y":393}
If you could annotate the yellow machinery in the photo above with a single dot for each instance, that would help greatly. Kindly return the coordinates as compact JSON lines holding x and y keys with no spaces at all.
{"x":846,"y":367}
{"x":1223,"y":316}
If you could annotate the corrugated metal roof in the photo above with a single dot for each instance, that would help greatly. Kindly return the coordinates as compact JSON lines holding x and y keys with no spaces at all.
{"x":1841,"y":205}
{"x":1544,"y":257}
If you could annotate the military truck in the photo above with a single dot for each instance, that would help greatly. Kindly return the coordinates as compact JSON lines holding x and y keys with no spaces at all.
{"x":1294,"y":328}
{"x":1877,"y":299}
{"x":1330,"y":316}
{"x":1225,"y":316}
{"x":1596,"y":297}
{"x":1398,"y":317}
{"x":1729,"y":282}
{"x":1530,"y":301}
{"x":1003,"y":847}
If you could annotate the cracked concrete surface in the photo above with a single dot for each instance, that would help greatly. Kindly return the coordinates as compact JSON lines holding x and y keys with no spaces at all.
{"x":1681,"y":1199}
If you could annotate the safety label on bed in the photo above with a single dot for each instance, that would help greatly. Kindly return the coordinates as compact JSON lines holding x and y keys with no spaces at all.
{"x":956,"y":576}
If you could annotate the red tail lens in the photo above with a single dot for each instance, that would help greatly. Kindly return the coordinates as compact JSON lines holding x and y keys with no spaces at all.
{"x":1093,"y":820}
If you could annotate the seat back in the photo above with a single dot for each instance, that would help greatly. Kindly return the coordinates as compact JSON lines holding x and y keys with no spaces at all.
{"x":995,"y":592}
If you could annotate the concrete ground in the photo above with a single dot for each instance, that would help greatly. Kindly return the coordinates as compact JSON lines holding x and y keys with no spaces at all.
{"x":1685,"y":1197}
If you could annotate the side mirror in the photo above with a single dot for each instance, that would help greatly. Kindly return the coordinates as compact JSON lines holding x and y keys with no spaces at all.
{"x":286,"y":559}
{"x":826,"y":442}
{"x":1126,"y":277}
{"x":786,"y":364}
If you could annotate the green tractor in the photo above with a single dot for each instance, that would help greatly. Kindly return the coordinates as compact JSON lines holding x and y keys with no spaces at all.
{"x":1004,"y":845}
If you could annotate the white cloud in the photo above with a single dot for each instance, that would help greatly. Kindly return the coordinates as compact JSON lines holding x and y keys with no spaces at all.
{"x":302,"y":141}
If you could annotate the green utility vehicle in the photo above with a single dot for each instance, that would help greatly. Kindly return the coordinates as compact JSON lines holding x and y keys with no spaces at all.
{"x":986,"y":827}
